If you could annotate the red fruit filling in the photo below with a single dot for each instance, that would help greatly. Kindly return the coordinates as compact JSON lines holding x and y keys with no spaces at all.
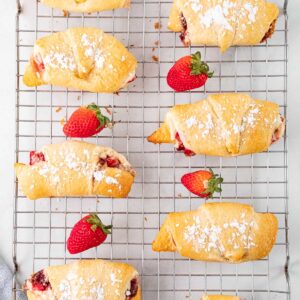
{"x":134,"y":286}
{"x":184,"y":29}
{"x":38,"y":64}
{"x":40,"y":282}
{"x":180,"y":146}
{"x":110,"y":162}
{"x":277,"y":134}
{"x":133,"y":79}
{"x":36,"y":157}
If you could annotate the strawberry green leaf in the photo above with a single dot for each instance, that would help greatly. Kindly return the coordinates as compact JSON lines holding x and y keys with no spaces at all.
{"x":214,"y":184}
{"x":95,"y":221}
{"x":199,"y":67}
{"x":103,"y":120}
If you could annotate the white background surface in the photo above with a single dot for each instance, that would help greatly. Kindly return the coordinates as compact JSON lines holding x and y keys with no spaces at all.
{"x":7,"y":124}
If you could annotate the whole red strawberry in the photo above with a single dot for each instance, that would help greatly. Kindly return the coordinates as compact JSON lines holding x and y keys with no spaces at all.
{"x":89,"y":232}
{"x":202,"y":183}
{"x":188,"y":73}
{"x":86,"y":121}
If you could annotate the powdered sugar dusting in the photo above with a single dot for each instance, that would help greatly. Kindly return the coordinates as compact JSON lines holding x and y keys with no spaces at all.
{"x":217,"y":15}
{"x":252,"y":10}
{"x":209,"y":237}
{"x":59,"y":60}
{"x":92,"y":51}
{"x":191,"y":122}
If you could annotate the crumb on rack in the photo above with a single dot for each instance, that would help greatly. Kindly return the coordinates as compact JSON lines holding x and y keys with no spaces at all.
{"x":78,"y":98}
{"x":146,"y":219}
{"x":65,"y":13}
{"x":58,"y":109}
{"x":157,"y":25}
{"x":153,"y":49}
{"x":179,"y":195}
{"x":155,"y":58}
{"x":156,"y":43}
{"x":62,"y":121}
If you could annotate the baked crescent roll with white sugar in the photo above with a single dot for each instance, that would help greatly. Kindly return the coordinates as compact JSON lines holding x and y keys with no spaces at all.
{"x":85,"y":279}
{"x":222,"y":125}
{"x":219,"y":297}
{"x":75,"y":168}
{"x":87,"y":6}
{"x":83,"y":59}
{"x":219,"y":232}
{"x":223,"y":23}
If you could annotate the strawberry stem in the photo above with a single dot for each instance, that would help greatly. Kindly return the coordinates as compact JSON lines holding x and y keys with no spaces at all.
{"x":214,"y":184}
{"x":95,"y":221}
{"x":103,"y":120}
{"x":199,"y":67}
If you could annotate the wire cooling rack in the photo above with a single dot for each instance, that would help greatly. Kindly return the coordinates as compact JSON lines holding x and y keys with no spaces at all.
{"x":41,"y":227}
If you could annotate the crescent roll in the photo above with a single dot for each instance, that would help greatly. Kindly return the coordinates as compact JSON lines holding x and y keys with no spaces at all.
{"x":86,"y":6}
{"x":85,"y":279}
{"x":222,"y":125}
{"x":219,"y":297}
{"x":83,"y":59}
{"x":223,"y":23}
{"x":219,"y":232}
{"x":75,"y":168}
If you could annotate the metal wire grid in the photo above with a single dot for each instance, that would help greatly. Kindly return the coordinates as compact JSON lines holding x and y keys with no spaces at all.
{"x":41,"y":227}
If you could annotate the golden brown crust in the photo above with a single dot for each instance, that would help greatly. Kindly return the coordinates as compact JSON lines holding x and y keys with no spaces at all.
{"x":88,"y":279}
{"x":219,"y":297}
{"x":162,"y":135}
{"x":220,"y":232}
{"x":87,"y":6}
{"x":72,"y":169}
{"x":83,"y":59}
{"x":228,"y":124}
{"x":223,"y":23}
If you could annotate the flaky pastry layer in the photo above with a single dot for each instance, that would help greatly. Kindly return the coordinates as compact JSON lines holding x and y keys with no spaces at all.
{"x":75,"y":168}
{"x":85,"y":279}
{"x":223,"y":23}
{"x":220,"y":232}
{"x":86,"y":6}
{"x":83,"y":59}
{"x":228,"y":124}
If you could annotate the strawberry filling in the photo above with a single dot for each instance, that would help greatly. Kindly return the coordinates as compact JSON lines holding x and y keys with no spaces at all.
{"x":132,"y":79}
{"x":277,"y":134}
{"x":181,"y":147}
{"x":38,"y":64}
{"x":184,"y":32}
{"x":40,"y":282}
{"x":36,"y":157}
{"x":134,"y":286}
{"x":110,"y":162}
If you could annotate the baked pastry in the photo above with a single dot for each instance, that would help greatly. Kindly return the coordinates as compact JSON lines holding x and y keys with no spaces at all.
{"x":75,"y":168}
{"x":219,"y":232}
{"x":85,"y":279}
{"x":223,"y":23}
{"x":222,"y":125}
{"x":83,"y":59}
{"x":219,"y":297}
{"x":87,"y":6}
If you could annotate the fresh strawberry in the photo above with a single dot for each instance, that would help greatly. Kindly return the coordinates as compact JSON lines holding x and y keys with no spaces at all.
{"x":36,"y":157}
{"x":89,"y":232}
{"x":188,"y":73}
{"x":202,"y":183}
{"x":86,"y":121}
